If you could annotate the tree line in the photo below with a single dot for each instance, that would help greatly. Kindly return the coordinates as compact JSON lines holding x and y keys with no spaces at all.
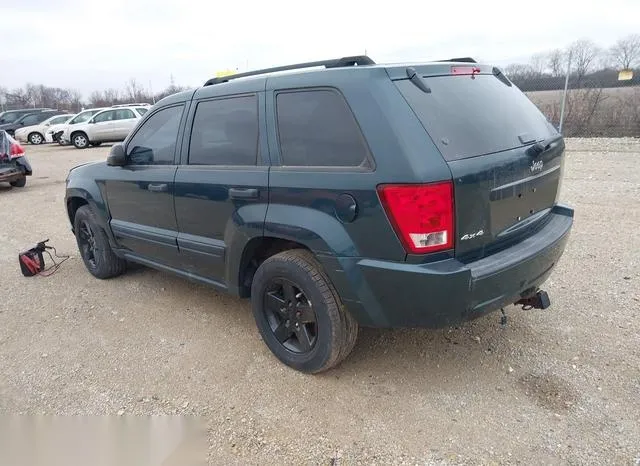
{"x":589,"y":65}
{"x":39,"y":95}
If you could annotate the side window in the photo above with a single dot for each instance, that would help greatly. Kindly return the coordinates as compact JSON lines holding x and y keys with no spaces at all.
{"x":124,"y":114}
{"x":225,"y":132}
{"x":155,"y":142}
{"x":31,"y":120}
{"x":105,"y":116}
{"x":317,"y":129}
{"x":62,"y":119}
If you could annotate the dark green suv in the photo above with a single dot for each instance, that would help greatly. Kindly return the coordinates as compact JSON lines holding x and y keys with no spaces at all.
{"x":351,"y":195}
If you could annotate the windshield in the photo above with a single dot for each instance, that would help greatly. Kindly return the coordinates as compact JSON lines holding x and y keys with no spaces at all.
{"x":82,"y":117}
{"x":468,"y":116}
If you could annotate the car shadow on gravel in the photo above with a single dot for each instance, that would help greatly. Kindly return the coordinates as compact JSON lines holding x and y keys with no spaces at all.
{"x":479,"y":343}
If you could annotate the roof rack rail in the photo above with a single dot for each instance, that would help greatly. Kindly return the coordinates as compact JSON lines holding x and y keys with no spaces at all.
{"x":134,"y":104}
{"x":334,"y":63}
{"x":461,"y":59}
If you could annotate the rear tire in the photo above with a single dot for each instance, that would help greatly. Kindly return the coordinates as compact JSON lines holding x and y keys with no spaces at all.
{"x":93,"y":244}
{"x":299,"y":313}
{"x":80,"y":140}
{"x":36,"y":139}
{"x":19,"y":183}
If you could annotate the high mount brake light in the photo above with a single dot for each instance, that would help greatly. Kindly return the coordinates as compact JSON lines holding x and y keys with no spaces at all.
{"x":465,"y":70}
{"x":421,"y":215}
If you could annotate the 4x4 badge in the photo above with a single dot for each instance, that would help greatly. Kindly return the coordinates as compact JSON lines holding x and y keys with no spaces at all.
{"x":472,"y":235}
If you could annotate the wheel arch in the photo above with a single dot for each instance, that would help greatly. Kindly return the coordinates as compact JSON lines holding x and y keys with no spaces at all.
{"x":79,"y":131}
{"x":254,"y":253}
{"x":286,"y":227}
{"x":77,"y":197}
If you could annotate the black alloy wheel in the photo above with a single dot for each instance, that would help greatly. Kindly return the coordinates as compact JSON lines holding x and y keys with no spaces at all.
{"x":290,"y":315}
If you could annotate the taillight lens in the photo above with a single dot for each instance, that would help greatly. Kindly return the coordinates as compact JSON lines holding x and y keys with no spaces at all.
{"x":422,"y":215}
{"x":16,"y":150}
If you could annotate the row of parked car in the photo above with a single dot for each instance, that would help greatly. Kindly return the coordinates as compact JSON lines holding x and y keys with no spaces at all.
{"x":90,"y":127}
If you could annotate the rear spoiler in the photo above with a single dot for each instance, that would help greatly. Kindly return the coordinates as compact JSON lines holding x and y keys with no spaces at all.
{"x":460,"y":60}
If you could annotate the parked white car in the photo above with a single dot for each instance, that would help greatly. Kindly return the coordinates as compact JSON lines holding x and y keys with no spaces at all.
{"x":109,"y":125}
{"x":35,"y":134}
{"x":63,"y":134}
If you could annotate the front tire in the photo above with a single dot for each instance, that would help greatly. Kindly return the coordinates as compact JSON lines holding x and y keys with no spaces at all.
{"x":35,"y":139}
{"x":299,"y":313}
{"x":19,"y":183}
{"x":93,"y":244}
{"x":80,"y":140}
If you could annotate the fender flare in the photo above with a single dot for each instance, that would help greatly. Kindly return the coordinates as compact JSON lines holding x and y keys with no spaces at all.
{"x":93,"y":198}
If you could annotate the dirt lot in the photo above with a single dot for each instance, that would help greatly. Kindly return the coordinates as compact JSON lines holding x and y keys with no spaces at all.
{"x":557,"y":386}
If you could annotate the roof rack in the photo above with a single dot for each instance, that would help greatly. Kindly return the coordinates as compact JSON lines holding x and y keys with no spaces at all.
{"x":141,"y":104}
{"x":358,"y":60}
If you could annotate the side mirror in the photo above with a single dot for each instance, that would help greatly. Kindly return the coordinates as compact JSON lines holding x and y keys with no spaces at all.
{"x":117,"y":156}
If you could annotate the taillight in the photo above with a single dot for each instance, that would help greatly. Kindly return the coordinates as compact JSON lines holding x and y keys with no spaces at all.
{"x":16,"y":150}
{"x":422,"y":215}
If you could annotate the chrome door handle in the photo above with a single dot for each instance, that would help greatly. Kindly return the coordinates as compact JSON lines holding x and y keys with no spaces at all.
{"x":158,"y":188}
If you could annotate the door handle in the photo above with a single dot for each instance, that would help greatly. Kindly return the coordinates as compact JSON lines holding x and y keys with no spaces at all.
{"x":243,"y":193}
{"x":158,"y":188}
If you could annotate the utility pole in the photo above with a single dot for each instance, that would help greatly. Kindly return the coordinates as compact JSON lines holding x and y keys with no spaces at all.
{"x":153,"y":97}
{"x":566,"y":87}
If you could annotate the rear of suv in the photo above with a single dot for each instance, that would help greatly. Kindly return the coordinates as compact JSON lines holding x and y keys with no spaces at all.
{"x":355,"y":195}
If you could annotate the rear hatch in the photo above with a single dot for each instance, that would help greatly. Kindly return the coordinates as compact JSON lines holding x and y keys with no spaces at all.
{"x":504,"y":155}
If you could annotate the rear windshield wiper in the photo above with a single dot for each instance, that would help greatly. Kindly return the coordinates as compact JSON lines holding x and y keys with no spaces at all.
{"x":500,"y":75}
{"x":416,"y":79}
{"x":543,"y":146}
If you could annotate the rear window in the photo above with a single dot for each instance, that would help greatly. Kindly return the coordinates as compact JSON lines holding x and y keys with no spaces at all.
{"x":468,"y":117}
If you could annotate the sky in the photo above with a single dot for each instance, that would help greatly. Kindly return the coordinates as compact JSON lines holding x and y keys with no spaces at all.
{"x":89,"y":44}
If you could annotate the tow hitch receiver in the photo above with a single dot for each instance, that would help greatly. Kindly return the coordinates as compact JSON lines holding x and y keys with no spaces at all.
{"x":537,"y":300}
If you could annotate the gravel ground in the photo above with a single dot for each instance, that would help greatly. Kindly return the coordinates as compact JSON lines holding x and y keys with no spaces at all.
{"x":560,"y":386}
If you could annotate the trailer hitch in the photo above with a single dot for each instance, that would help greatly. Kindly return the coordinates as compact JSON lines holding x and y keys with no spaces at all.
{"x":537,"y":299}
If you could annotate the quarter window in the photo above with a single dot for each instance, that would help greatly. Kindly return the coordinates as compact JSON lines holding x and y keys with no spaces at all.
{"x":317,"y":129}
{"x":124,"y":114}
{"x":155,"y":142}
{"x":225,"y":132}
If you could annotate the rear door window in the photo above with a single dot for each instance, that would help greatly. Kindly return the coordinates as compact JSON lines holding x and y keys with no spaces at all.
{"x":468,"y":116}
{"x":317,"y":129}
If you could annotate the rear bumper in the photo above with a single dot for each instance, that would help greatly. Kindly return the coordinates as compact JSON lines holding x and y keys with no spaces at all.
{"x":10,"y":174}
{"x":392,"y":294}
